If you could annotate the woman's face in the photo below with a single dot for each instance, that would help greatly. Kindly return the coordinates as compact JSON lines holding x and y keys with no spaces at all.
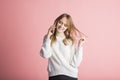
{"x":62,"y":25}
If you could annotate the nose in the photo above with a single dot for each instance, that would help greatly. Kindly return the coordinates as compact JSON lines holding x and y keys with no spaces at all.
{"x":62,"y":25}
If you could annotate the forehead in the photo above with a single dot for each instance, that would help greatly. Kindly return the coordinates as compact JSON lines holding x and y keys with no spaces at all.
{"x":64,"y":20}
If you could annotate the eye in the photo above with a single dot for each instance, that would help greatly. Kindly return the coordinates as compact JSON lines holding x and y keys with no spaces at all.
{"x":65,"y":25}
{"x":60,"y":22}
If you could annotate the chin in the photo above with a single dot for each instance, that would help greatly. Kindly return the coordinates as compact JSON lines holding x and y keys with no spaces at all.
{"x":60,"y":31}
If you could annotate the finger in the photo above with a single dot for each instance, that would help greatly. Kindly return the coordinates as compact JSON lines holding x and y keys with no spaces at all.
{"x":82,"y":39}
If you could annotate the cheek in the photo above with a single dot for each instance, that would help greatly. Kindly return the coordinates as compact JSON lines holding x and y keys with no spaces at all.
{"x":58,"y":24}
{"x":65,"y":28}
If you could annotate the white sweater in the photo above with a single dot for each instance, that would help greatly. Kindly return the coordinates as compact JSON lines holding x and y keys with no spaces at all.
{"x":62,"y":59}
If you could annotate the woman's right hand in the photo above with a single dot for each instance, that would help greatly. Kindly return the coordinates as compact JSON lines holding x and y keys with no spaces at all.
{"x":51,"y":30}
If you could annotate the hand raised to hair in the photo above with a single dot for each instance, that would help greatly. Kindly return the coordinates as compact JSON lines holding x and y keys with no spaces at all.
{"x":81,"y":41}
{"x":51,"y":30}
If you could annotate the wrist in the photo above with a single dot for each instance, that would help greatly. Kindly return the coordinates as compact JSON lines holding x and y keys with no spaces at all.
{"x":80,"y":45}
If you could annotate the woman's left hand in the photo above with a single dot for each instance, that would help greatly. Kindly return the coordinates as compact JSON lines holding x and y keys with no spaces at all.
{"x":81,"y":41}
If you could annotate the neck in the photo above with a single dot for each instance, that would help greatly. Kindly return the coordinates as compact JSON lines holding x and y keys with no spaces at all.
{"x":60,"y":34}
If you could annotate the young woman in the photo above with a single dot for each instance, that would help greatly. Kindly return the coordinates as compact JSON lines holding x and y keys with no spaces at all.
{"x":63,"y":49}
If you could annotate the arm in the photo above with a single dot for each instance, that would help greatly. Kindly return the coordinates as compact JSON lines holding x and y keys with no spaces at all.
{"x":77,"y":56}
{"x":45,"y":51}
{"x":77,"y":53}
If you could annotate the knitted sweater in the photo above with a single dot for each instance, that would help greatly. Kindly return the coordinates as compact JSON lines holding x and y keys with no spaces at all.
{"x":62,"y":59}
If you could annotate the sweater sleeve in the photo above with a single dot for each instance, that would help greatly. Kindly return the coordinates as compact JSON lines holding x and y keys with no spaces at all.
{"x":45,"y":51}
{"x":77,"y":56}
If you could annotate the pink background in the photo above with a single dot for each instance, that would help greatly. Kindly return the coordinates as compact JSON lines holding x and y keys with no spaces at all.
{"x":23,"y":23}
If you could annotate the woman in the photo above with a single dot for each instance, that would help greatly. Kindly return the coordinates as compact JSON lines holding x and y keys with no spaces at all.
{"x":62,"y":49}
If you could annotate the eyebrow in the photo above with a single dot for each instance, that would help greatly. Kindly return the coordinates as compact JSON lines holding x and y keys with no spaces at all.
{"x":63,"y":23}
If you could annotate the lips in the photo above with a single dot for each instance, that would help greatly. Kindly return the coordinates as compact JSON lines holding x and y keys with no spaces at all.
{"x":60,"y":28}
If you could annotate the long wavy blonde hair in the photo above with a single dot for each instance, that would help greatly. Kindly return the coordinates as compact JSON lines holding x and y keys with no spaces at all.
{"x":71,"y":31}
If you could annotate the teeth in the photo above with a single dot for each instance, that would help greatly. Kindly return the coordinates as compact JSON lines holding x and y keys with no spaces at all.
{"x":60,"y":28}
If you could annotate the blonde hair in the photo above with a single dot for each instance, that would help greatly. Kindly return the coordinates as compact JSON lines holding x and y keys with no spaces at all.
{"x":70,"y":33}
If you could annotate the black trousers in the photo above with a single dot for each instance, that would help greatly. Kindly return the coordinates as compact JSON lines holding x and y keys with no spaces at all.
{"x":62,"y":77}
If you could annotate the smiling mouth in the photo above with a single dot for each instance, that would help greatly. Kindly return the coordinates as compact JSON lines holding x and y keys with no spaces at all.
{"x":60,"y":28}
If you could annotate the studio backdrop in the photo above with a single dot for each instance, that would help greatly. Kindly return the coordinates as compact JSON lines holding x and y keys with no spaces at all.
{"x":23,"y":23}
